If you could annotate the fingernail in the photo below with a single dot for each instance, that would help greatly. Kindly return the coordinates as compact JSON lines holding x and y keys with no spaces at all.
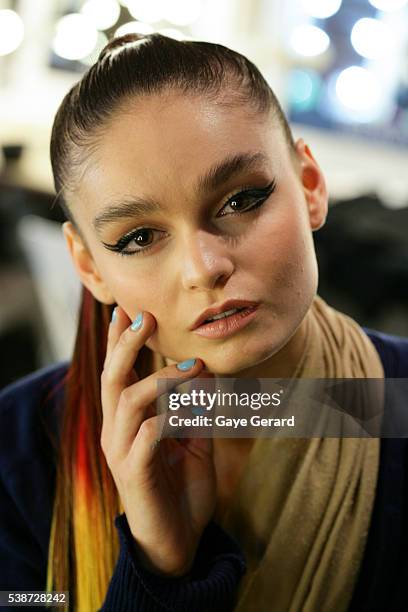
{"x":137,"y":323}
{"x":113,"y":319}
{"x":186,"y":365}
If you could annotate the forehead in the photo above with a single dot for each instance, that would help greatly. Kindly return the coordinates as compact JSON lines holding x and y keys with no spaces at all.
{"x":166,"y":141}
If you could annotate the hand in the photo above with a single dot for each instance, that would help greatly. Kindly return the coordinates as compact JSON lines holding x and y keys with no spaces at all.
{"x":168,"y":491}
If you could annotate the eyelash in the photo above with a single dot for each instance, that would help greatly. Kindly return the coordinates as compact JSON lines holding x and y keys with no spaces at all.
{"x":262,"y":194}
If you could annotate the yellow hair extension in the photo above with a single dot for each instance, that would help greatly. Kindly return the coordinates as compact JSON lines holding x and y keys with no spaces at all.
{"x":84,"y":544}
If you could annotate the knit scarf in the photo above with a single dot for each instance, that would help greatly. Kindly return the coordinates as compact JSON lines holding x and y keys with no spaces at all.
{"x":302,"y":506}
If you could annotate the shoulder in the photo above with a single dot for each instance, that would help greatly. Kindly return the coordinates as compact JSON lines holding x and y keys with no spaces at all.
{"x":393,"y":351}
{"x":29,"y":408}
{"x":35,"y":382}
{"x":29,"y":414}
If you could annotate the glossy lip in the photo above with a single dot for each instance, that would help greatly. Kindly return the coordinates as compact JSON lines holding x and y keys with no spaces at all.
{"x":228,"y":325}
{"x":228,"y":305}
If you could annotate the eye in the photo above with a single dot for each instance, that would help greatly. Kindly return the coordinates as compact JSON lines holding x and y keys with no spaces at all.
{"x":247,"y":197}
{"x":141,"y":237}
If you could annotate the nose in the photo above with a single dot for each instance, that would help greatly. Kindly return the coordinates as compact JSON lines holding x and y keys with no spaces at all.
{"x":206,"y":261}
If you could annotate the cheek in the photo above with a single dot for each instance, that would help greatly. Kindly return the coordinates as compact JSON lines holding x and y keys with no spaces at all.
{"x":281,"y":240}
{"x":286,"y":256}
{"x":135,"y":291}
{"x":148,"y":293}
{"x":299,"y":275}
{"x":294,"y":263}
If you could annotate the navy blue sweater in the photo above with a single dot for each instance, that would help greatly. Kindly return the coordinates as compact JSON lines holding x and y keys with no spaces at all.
{"x":27,"y":481}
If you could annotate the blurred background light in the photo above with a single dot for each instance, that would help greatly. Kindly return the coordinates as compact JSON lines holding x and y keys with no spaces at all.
{"x":358,"y":89}
{"x":182,"y":12}
{"x":76,"y":37}
{"x":371,"y":38}
{"x":388,"y":5}
{"x":134,"y":27}
{"x":103,"y":13}
{"x":174,"y":33}
{"x":321,"y":9}
{"x":93,"y":56}
{"x":149,"y":11}
{"x":304,"y":89}
{"x":11,"y":31}
{"x":309,"y":40}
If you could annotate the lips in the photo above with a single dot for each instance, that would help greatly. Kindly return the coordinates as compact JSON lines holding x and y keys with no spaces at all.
{"x":215,"y":310}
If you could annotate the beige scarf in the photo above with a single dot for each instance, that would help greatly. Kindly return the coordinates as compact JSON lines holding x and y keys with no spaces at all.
{"x":302,"y":506}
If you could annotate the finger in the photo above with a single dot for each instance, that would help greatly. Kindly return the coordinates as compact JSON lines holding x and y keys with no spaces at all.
{"x":117,"y":325}
{"x":126,"y":349}
{"x":112,"y":331}
{"x":136,"y":401}
{"x":119,"y":322}
{"x":145,"y":447}
{"x":118,"y":370}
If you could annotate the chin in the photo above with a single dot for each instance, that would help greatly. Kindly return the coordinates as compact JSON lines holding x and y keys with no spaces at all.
{"x":232,"y":369}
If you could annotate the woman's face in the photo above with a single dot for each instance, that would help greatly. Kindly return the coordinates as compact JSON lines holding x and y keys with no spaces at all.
{"x":191,"y":157}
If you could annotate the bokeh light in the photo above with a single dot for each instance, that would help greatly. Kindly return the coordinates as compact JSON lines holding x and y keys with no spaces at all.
{"x":182,"y":12}
{"x":76,"y":37}
{"x":92,"y":57}
{"x":11,"y":31}
{"x":309,"y":40}
{"x":174,"y":33}
{"x":149,"y":11}
{"x":304,"y":89}
{"x":134,"y":27}
{"x":388,"y":5}
{"x":358,"y":89}
{"x":103,"y":13}
{"x":321,"y":9}
{"x":371,"y":38}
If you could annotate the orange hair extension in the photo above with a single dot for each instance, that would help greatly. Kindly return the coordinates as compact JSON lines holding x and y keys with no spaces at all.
{"x":84,"y":544}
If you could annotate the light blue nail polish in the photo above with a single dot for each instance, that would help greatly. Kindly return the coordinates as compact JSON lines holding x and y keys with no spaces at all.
{"x":137,"y":323}
{"x":198,"y":410}
{"x":113,"y":319}
{"x":186,"y":365}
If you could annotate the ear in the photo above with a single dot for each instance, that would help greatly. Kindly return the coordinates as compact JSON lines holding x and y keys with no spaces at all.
{"x":314,"y":185}
{"x":85,"y":265}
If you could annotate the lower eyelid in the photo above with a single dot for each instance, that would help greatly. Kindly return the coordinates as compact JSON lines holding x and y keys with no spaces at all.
{"x":142,"y":250}
{"x":255,"y":204}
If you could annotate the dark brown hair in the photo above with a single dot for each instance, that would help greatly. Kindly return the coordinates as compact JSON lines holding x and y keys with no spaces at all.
{"x":132,"y":66}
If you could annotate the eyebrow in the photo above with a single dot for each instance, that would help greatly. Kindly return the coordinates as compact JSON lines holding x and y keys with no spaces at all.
{"x":219,"y":173}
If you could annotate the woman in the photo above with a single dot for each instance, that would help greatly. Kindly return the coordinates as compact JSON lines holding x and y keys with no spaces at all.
{"x":176,"y":157}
